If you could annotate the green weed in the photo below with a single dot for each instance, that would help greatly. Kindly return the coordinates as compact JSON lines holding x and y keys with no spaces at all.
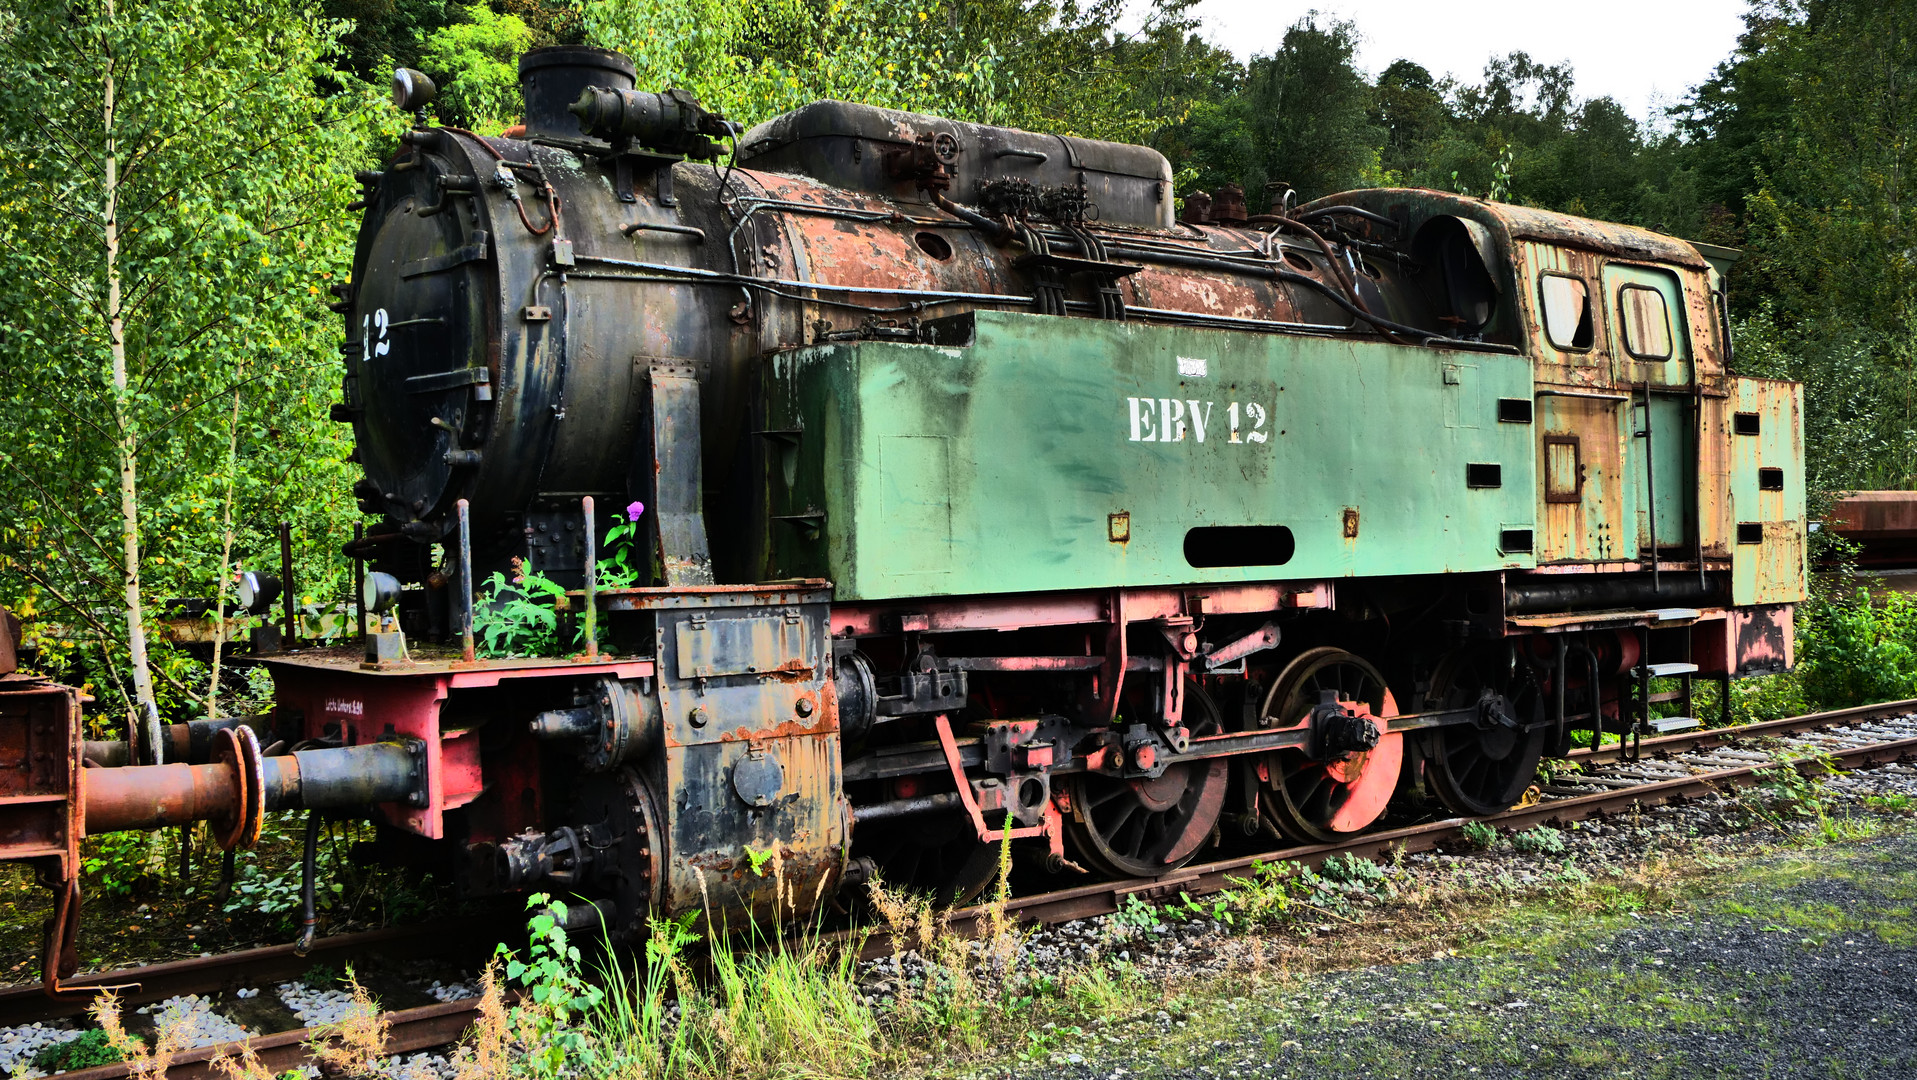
{"x":1479,"y":835}
{"x":518,"y":617}
{"x":1136,"y":913}
{"x":83,"y":1051}
{"x":1550,"y":770}
{"x":1542,"y":840}
{"x":116,"y":862}
{"x":1265,"y":896}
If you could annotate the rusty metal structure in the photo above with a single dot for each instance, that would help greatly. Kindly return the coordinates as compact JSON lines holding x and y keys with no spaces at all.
{"x":980,"y":493}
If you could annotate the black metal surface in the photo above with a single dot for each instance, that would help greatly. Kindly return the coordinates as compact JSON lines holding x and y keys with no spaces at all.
{"x":341,"y":777}
{"x":668,"y":475}
{"x":845,"y":144}
{"x":1593,"y":592}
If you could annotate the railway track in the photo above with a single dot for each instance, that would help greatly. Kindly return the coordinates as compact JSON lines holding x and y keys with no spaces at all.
{"x":1663,"y":770}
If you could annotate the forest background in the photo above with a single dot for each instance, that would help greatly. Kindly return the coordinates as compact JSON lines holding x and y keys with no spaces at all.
{"x":175,"y":174}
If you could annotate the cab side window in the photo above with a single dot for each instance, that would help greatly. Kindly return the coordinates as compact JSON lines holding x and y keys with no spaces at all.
{"x":1647,"y":322}
{"x":1566,"y":303}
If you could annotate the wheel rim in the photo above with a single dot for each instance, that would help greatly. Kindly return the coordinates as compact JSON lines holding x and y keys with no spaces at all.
{"x":1480,"y":771}
{"x":1144,"y":828}
{"x":1316,"y":801}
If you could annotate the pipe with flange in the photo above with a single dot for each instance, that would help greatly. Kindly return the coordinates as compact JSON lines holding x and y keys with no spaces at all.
{"x":191,"y":743}
{"x":241,"y":786}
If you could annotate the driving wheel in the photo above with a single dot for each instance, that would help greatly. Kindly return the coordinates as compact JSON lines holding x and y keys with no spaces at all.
{"x":1483,"y":768}
{"x":1146,"y":827}
{"x":1341,"y":780}
{"x":937,"y":855}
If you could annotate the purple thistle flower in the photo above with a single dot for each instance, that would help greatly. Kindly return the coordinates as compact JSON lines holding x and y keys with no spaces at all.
{"x":634,"y":509}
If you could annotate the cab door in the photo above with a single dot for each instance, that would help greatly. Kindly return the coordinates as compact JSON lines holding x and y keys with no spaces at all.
{"x":1580,"y":415}
{"x":1654,"y":364}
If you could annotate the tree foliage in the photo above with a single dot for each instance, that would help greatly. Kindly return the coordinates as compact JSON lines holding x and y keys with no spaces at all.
{"x":231,"y":177}
{"x":238,"y":123}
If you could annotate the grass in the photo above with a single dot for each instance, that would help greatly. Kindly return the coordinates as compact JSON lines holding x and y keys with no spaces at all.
{"x":1556,"y":949}
{"x":1466,"y":945}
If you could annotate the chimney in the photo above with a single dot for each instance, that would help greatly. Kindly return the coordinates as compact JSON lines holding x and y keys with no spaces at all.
{"x":551,"y":79}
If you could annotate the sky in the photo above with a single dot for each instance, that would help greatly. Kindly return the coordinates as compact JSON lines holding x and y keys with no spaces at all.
{"x":1644,"y":53}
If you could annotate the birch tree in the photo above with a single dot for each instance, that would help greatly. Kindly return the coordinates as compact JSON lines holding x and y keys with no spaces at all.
{"x":173,"y":181}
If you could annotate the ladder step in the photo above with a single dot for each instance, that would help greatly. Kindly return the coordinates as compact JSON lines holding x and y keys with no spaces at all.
{"x":1664,"y":671}
{"x":1675,"y":614}
{"x":1668,"y":724}
{"x":1667,"y":695}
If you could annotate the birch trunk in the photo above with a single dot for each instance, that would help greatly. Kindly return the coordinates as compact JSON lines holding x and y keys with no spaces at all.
{"x":226,"y":559}
{"x":124,"y":423}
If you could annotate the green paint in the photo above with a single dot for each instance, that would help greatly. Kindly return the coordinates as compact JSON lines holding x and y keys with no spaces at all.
{"x":1772,"y":571}
{"x":998,"y":466}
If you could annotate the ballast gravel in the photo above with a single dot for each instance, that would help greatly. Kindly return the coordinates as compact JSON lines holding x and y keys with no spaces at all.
{"x":1674,"y":996}
{"x":193,"y":1021}
{"x":1177,"y":947}
{"x":452,"y":991}
{"x":19,"y":1044}
{"x":315,"y":1007}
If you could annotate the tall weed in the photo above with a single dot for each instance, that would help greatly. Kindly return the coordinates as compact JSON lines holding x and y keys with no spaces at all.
{"x":1852,"y":651}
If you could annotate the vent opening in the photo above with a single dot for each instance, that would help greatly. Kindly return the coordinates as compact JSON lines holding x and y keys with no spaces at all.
{"x":1515,"y":541}
{"x":1483,"y":474}
{"x":1239,"y":545}
{"x":934,"y":245}
{"x":1746,"y":423}
{"x":1514,"y":410}
{"x":1770,"y":479}
{"x":1750,"y":532}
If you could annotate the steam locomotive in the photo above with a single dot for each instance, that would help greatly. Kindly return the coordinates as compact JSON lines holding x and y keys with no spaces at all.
{"x":982,"y":493}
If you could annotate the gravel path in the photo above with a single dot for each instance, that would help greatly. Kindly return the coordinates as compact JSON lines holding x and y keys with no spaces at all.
{"x":1807,"y":970}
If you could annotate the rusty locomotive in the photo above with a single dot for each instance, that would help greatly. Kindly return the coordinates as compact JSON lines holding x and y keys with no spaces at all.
{"x":981,"y":493}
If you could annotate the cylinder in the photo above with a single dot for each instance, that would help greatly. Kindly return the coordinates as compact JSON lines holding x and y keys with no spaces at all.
{"x":1587,"y":592}
{"x":897,"y":808}
{"x":579,"y":723}
{"x":190,"y":743}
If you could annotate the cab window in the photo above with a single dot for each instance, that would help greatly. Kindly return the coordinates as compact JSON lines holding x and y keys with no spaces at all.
{"x":1647,"y":322}
{"x":1566,"y":302}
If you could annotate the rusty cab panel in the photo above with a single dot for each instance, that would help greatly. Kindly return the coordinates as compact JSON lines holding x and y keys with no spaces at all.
{"x":1767,"y":491}
{"x":1583,"y":487}
{"x":1630,"y":418}
{"x":1657,"y":349}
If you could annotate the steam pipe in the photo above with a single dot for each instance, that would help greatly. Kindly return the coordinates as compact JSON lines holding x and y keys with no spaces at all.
{"x":466,"y":582}
{"x":1354,"y":211}
{"x":592,"y":578}
{"x":923,"y":804}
